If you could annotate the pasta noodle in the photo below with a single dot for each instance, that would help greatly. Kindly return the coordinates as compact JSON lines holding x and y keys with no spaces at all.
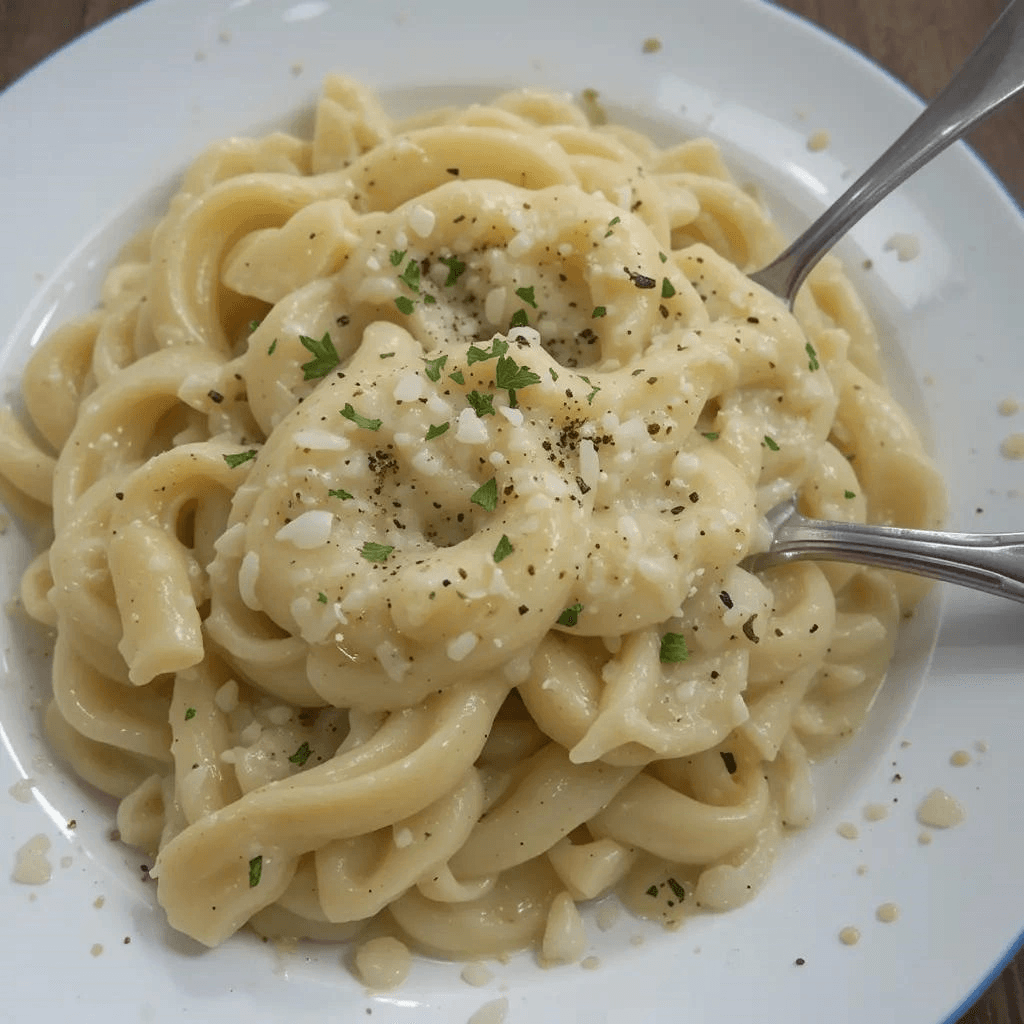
{"x":400,"y":487}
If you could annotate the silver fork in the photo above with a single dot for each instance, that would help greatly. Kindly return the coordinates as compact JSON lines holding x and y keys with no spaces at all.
{"x":992,"y":562}
{"x":991,"y":76}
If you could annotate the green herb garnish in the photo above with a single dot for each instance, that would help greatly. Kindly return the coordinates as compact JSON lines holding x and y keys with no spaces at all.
{"x":325,"y":356}
{"x":476,"y":354}
{"x":411,"y":276}
{"x":301,"y":756}
{"x":339,"y":493}
{"x":486,"y":495}
{"x":770,"y":443}
{"x":611,"y":224}
{"x":677,"y":890}
{"x":504,"y":549}
{"x":273,"y":346}
{"x":483,"y":405}
{"x":849,"y":494}
{"x":652,"y":891}
{"x":673,"y":648}
{"x":662,"y":257}
{"x":456,"y":268}
{"x":519,"y":319}
{"x":436,"y":430}
{"x":374,"y":552}
{"x":405,"y":304}
{"x":396,"y":257}
{"x":510,"y":375}
{"x":457,"y":376}
{"x":434,"y":367}
{"x":571,"y":615}
{"x":711,"y":435}
{"x":322,"y":597}
{"x":812,"y":357}
{"x":526,"y":294}
{"x":255,"y":871}
{"x":234,"y":461}
{"x":599,"y":311}
{"x":190,"y":713}
{"x":667,"y":289}
{"x":360,"y":421}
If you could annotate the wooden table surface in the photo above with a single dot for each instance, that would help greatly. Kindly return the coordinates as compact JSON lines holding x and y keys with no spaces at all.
{"x":921,"y":42}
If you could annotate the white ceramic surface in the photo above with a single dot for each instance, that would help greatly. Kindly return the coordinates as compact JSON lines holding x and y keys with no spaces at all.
{"x":92,"y":142}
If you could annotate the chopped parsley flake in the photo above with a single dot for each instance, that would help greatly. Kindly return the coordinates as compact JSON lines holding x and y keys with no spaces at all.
{"x":322,"y":597}
{"x":667,"y":289}
{"x":611,"y":224}
{"x":396,"y":257}
{"x":456,"y":268}
{"x":405,"y":304}
{"x":770,"y":443}
{"x":436,"y":430}
{"x":599,"y":311}
{"x":526,"y":294}
{"x":253,"y":324}
{"x":374,"y":552}
{"x":677,"y":890}
{"x":503,"y":549}
{"x":554,"y":376}
{"x":457,"y":376}
{"x":360,"y":421}
{"x":711,"y":435}
{"x":510,"y":375}
{"x":519,"y":319}
{"x":434,"y":367}
{"x":662,"y":257}
{"x":387,"y":355}
{"x":273,"y":346}
{"x":190,"y":713}
{"x":849,"y":494}
{"x":812,"y":357}
{"x":652,"y":891}
{"x":301,"y":756}
{"x":479,"y":355}
{"x":571,"y":615}
{"x":325,"y":356}
{"x":255,"y":871}
{"x":483,"y":405}
{"x":673,"y":648}
{"x":429,"y":300}
{"x":594,"y":388}
{"x":411,"y":276}
{"x":486,"y":495}
{"x":234,"y":461}
{"x":339,"y":493}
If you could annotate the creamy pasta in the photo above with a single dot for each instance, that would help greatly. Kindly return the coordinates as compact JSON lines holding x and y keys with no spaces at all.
{"x":400,"y":486}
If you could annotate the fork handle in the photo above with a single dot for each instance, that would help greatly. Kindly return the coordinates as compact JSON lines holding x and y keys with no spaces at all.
{"x":991,"y":75}
{"x":991,"y":562}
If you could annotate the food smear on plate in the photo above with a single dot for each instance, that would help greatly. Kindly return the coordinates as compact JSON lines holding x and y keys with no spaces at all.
{"x":940,"y":810}
{"x":818,"y":141}
{"x":31,"y":865}
{"x":906,"y":246}
{"x":875,"y":812}
{"x":400,"y":487}
{"x":887,"y":913}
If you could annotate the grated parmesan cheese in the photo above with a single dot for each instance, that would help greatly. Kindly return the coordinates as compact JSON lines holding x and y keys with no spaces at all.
{"x":422,"y":220}
{"x":310,"y":530}
{"x":462,"y":646}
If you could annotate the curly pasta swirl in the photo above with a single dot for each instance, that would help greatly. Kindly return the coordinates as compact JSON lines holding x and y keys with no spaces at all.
{"x":401,"y":486}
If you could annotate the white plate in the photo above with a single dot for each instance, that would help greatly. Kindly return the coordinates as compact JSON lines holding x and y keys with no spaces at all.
{"x":92,"y":142}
